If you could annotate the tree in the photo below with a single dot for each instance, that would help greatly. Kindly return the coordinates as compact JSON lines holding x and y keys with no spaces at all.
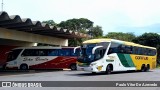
{"x":148,"y":39}
{"x":82,"y":25}
{"x":50,"y":22}
{"x":120,"y":36}
{"x":76,"y":24}
{"x":96,"y":32}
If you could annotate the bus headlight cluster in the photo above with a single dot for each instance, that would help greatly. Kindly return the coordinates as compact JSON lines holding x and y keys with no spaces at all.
{"x":92,"y":64}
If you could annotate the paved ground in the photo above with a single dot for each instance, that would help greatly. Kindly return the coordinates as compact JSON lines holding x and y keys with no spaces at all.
{"x":68,"y":75}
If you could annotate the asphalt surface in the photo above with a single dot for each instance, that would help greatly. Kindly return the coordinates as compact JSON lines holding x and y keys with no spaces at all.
{"x":67,"y":75}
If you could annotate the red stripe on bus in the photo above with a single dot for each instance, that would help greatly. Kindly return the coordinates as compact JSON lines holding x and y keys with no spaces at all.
{"x":59,"y":62}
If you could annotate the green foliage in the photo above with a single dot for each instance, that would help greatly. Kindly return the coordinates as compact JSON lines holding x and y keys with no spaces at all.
{"x":75,"y":42}
{"x":120,"y":36}
{"x":96,"y":32}
{"x":76,"y":24}
{"x":82,"y":25}
{"x":50,"y":22}
{"x":148,"y":39}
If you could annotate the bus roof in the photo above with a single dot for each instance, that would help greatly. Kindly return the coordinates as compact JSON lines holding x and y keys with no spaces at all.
{"x":116,"y":41}
{"x":97,"y":40}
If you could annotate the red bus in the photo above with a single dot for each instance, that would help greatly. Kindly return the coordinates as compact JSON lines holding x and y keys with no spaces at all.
{"x":41,"y":57}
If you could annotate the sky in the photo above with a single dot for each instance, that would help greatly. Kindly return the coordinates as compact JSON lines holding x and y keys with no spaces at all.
{"x":133,"y":16}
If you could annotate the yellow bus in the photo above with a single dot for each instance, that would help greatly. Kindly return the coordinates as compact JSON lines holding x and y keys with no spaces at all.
{"x":107,"y":55}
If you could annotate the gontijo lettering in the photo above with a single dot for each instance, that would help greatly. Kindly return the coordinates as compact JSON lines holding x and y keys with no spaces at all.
{"x":141,"y":58}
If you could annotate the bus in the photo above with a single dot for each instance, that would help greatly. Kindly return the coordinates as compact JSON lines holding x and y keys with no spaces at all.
{"x":108,"y":55}
{"x":41,"y":57}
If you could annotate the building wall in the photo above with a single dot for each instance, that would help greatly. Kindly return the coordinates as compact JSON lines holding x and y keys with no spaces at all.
{"x":32,"y":38}
{"x":15,"y":43}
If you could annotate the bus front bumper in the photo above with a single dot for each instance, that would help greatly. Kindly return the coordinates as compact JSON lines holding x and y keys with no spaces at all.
{"x":89,"y":69}
{"x":11,"y":66}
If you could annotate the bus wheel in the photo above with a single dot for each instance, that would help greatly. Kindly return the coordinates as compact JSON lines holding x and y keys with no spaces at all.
{"x":143,"y":69}
{"x":108,"y":69}
{"x":24,"y":67}
{"x":147,"y":68}
{"x":73,"y":67}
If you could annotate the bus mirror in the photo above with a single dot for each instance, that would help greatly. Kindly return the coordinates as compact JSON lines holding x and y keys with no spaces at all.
{"x":94,"y":49}
{"x":76,"y":49}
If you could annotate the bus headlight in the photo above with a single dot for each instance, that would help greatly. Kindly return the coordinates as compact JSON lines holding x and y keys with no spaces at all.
{"x":92,"y":64}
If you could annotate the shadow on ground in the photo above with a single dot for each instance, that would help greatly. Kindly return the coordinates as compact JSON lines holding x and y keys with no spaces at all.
{"x":18,"y":72}
{"x":103,"y":73}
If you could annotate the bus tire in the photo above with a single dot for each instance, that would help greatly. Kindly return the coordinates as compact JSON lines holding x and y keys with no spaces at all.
{"x":108,"y":69}
{"x":23,"y":67}
{"x":147,"y":68}
{"x":73,"y":67}
{"x":143,"y":68}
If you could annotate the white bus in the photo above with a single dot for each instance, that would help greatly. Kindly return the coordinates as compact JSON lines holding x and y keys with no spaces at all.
{"x":43,"y":57}
{"x":107,"y":55}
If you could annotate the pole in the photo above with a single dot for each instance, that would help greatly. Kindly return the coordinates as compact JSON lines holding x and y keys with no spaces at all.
{"x":2,"y":5}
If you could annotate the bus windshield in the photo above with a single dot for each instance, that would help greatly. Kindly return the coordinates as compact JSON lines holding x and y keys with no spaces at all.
{"x":86,"y":54}
{"x":13,"y":54}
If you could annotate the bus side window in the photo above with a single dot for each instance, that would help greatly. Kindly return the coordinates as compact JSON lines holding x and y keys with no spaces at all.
{"x":117,"y":48}
{"x":64,"y":52}
{"x":121,"y":49}
{"x":145,"y":51}
{"x":149,"y":52}
{"x":128,"y":49}
{"x":133,"y":50}
{"x":29,"y":52}
{"x":25,"y":53}
{"x":42,"y":52}
{"x":153,"y":52}
{"x":139,"y":51}
{"x":142,"y":51}
{"x":67,"y":52}
{"x":53,"y":52}
{"x":38,"y":52}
